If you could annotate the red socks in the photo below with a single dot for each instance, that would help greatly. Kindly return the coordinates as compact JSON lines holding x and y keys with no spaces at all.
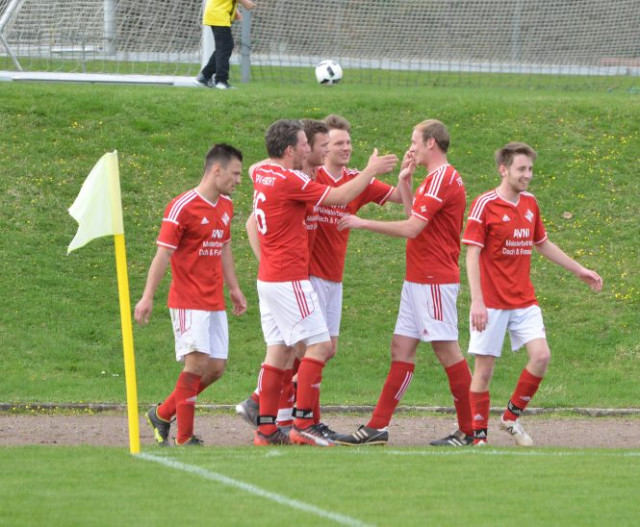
{"x":309,"y":377}
{"x":270,"y":384}
{"x":480,"y":403}
{"x":398,"y":380}
{"x":459,"y":383}
{"x":287,"y":399}
{"x":526,"y":388}
{"x":186,"y":391}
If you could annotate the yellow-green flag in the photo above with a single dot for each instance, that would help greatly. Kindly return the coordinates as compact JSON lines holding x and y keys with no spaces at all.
{"x":98,"y":207}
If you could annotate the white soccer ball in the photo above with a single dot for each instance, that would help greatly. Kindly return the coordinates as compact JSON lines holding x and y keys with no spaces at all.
{"x":328,"y":72}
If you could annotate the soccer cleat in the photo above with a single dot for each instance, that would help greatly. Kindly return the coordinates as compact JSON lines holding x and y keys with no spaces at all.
{"x":326,"y":432}
{"x":201,"y":80}
{"x":160,"y":427}
{"x":192,"y":441}
{"x":277,"y":438}
{"x":514,"y":428}
{"x":311,"y":435}
{"x":364,"y":436}
{"x":457,"y":438}
{"x":479,"y":442}
{"x":248,"y":410}
{"x":224,"y":86}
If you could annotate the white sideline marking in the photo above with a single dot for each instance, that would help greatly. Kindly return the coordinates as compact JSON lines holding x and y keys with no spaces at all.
{"x":257,"y":491}
{"x":482,"y":451}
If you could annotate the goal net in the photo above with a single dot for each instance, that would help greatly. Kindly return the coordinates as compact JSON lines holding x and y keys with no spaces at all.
{"x":374,"y":40}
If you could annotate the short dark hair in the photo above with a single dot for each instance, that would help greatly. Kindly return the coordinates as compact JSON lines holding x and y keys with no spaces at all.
{"x":504,"y":156}
{"x":313,"y":127}
{"x":282,"y":134}
{"x":221,"y":153}
{"x":337,"y":122}
{"x":432,"y":128}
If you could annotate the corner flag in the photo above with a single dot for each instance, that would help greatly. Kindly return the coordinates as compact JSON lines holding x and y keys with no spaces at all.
{"x":98,"y":211}
{"x":98,"y":207}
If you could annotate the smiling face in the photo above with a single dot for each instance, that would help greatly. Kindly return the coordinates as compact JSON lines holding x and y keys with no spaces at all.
{"x":319,"y":149}
{"x":517,"y":176}
{"x":340,"y":148}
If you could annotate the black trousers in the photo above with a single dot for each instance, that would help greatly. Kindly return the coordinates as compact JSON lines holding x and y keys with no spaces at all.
{"x":218,"y":64}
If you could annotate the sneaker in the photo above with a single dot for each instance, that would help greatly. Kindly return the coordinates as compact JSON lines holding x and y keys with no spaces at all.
{"x":520,"y":437}
{"x":192,"y":441}
{"x":249,"y":410}
{"x":160,"y":427}
{"x":364,"y":436}
{"x":309,"y":436}
{"x":277,"y":438}
{"x":326,"y":432}
{"x":224,"y":86}
{"x":457,"y":438}
{"x":203,"y":81}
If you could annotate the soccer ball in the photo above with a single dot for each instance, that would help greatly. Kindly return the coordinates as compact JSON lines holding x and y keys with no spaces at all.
{"x":328,"y":72}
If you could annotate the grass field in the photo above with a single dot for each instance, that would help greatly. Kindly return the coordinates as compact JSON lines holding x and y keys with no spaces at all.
{"x":60,"y":325}
{"x":299,"y":486}
{"x":61,"y":335}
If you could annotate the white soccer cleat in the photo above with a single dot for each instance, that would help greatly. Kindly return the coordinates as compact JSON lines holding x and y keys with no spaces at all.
{"x":514,"y":428}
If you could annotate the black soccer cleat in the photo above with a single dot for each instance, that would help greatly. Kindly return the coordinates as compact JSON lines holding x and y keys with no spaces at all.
{"x":364,"y":436}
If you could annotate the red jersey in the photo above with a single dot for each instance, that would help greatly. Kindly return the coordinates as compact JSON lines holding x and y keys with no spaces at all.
{"x":432,"y":256}
{"x":507,"y":233}
{"x":280,"y":201}
{"x":330,"y":246}
{"x":196,"y":230}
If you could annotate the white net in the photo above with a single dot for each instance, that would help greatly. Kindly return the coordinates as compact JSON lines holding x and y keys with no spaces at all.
{"x":374,"y":40}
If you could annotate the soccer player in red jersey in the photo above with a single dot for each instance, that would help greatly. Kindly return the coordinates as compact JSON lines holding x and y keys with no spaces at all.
{"x":503,"y":227}
{"x":288,"y":304}
{"x":317,"y":135}
{"x":428,"y":301}
{"x":326,"y":265}
{"x":195,"y":239}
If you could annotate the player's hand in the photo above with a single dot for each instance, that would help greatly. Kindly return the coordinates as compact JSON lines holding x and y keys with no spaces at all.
{"x":349,"y":221}
{"x":479,"y":315}
{"x":407,"y":167}
{"x":239,"y":302}
{"x":381,"y":164}
{"x":248,"y":4}
{"x":142,"y":313}
{"x":591,"y":278}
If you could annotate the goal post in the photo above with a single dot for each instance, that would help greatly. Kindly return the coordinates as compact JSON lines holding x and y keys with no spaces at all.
{"x":383,"y":41}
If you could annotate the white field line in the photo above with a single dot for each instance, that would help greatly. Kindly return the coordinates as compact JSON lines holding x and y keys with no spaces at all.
{"x":256,"y":491}
{"x":484,"y":451}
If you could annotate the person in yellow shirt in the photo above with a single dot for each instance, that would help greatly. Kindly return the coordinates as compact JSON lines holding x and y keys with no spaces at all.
{"x":218,"y":15}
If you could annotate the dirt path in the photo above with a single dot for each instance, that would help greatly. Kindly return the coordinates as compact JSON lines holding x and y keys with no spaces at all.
{"x":224,"y":429}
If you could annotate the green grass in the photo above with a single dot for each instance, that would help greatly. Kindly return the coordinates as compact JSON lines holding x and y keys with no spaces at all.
{"x":60,"y":327}
{"x":105,"y":486}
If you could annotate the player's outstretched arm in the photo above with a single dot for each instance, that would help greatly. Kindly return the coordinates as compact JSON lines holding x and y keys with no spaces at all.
{"x":408,"y":228}
{"x":478,"y":313}
{"x":229,"y":273}
{"x":552,"y":252}
{"x":345,"y":193}
{"x":157,"y":270}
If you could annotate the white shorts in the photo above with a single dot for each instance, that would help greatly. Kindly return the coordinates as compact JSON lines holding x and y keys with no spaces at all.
{"x":428,"y":312}
{"x":330,"y":298}
{"x":203,"y":331}
{"x":290,"y":313}
{"x":524,"y":325}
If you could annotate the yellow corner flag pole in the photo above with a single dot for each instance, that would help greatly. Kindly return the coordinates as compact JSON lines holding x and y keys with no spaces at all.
{"x":98,"y":211}
{"x":127,"y":344}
